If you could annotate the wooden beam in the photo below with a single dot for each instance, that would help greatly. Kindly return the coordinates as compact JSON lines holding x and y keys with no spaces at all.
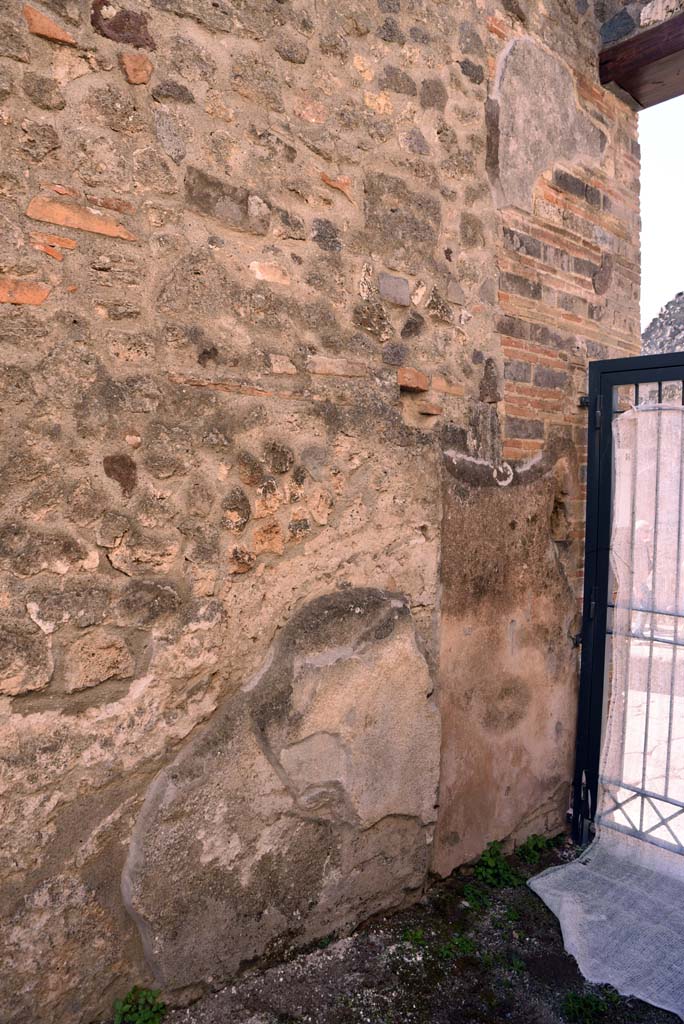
{"x":650,"y":65}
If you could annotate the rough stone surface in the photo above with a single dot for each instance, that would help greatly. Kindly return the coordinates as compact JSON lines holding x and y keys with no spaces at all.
{"x":660,"y":10}
{"x":94,"y":658}
{"x":394,"y":289}
{"x":214,"y":214}
{"x":308,"y":803}
{"x":121,"y":24}
{"x":665,"y":333}
{"x":529,"y":138}
{"x":514,"y":703}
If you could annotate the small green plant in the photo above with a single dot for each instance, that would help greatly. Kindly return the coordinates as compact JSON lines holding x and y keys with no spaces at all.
{"x":512,"y":915}
{"x":493,"y":870}
{"x":476,"y":897}
{"x":139,"y":1006}
{"x":517,"y":965}
{"x":416,"y":936}
{"x":457,"y":945}
{"x":584,"y":1008}
{"x":533,"y":848}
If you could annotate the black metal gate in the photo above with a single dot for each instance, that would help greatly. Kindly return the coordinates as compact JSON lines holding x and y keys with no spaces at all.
{"x":614,"y":386}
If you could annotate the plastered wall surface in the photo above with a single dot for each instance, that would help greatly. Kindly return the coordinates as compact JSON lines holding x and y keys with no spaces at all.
{"x":295,"y":308}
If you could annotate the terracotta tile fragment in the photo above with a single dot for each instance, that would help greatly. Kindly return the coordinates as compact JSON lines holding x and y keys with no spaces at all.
{"x":23,"y":293}
{"x":49,"y":251}
{"x":342,"y":184}
{"x":61,"y":241}
{"x":136,"y":67}
{"x":69,"y":215}
{"x":40,"y":25}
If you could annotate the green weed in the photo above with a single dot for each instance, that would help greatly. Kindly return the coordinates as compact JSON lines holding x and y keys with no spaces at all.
{"x":517,"y":965}
{"x":416,"y":936}
{"x":493,"y":870}
{"x":476,"y":897}
{"x":535,"y":846}
{"x":588,"y":1007}
{"x":457,"y":945}
{"x":139,"y":1006}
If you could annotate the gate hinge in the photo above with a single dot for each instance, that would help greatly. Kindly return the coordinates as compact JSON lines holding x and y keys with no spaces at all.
{"x":577,"y":640}
{"x":583,"y":401}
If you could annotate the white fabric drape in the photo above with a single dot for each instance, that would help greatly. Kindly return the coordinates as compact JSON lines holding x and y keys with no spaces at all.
{"x":621,"y":905}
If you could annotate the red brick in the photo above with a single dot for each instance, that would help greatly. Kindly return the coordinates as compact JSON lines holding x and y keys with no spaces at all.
{"x":410,"y":379}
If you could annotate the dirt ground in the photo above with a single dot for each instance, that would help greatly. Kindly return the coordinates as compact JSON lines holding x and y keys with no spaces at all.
{"x":475,"y":950}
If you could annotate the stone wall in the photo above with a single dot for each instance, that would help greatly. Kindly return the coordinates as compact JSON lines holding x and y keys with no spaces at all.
{"x":296,"y":303}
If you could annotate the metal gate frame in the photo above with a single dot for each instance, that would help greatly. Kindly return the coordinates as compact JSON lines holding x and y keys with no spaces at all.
{"x":604,"y":375}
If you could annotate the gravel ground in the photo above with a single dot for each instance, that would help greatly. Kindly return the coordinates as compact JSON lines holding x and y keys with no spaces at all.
{"x":469,"y":953}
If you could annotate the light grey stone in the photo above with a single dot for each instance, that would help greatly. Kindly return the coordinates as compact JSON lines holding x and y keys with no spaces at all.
{"x":455,"y":293}
{"x":394,"y":289}
{"x":526,"y":136}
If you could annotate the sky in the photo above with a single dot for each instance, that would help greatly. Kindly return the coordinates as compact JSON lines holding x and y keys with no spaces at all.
{"x":661,"y":134}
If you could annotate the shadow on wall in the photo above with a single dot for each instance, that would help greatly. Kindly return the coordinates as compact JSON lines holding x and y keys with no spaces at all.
{"x":508,"y":671}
